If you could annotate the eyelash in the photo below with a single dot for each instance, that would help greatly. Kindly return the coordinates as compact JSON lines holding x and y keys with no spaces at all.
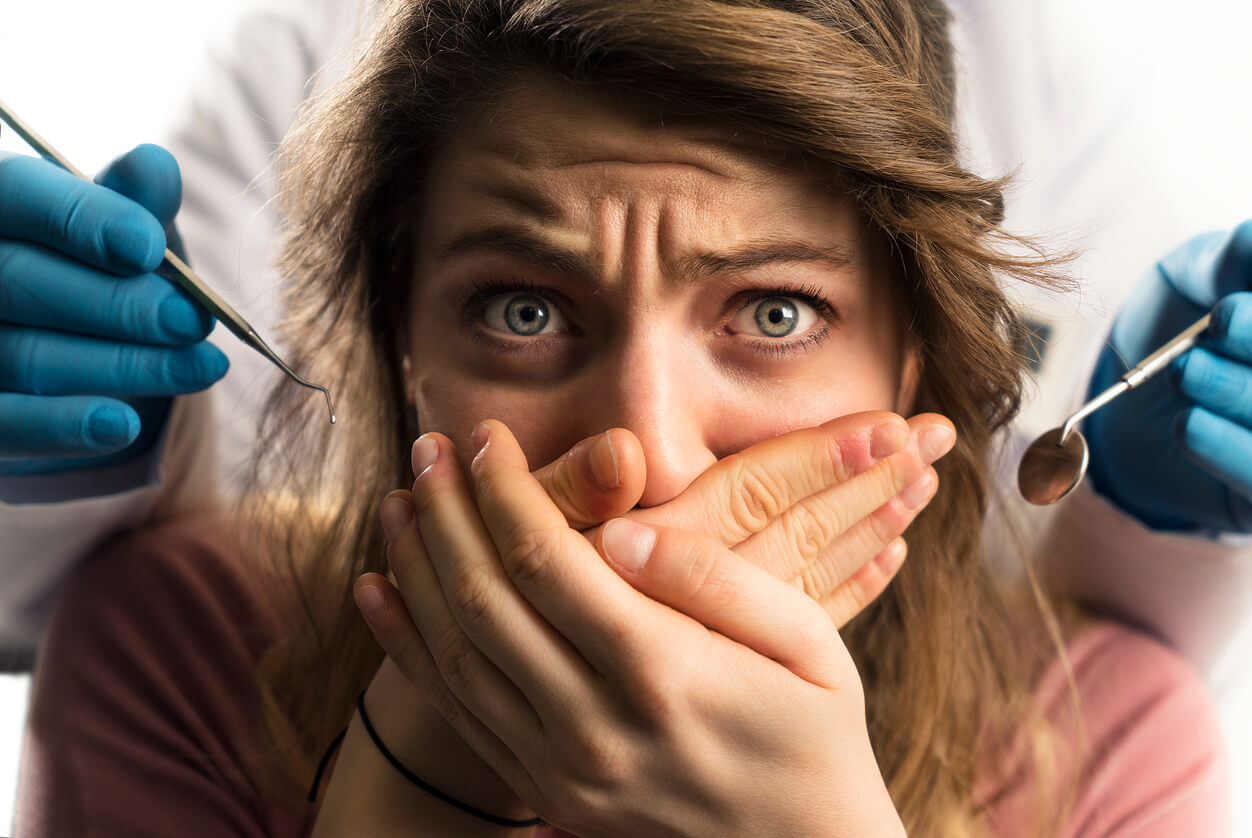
{"x":475,"y":296}
{"x":812,"y":296}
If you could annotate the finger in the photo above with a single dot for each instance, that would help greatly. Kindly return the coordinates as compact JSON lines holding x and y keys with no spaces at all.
{"x":396,"y":633}
{"x":866,"y":539}
{"x":149,"y":176}
{"x":599,"y":478}
{"x":36,"y":427}
{"x":465,"y":675}
{"x":1208,"y":267}
{"x":42,"y":203}
{"x":741,"y":494}
{"x":866,"y":584}
{"x":1223,"y":449}
{"x":803,"y":532}
{"x":39,"y":287}
{"x":553,"y":567}
{"x":1230,"y":330}
{"x":712,"y":585}
{"x":40,"y":362}
{"x":481,"y":596}
{"x":1217,"y":384}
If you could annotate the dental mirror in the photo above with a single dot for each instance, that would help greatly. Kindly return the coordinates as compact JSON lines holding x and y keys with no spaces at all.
{"x":1056,"y":462}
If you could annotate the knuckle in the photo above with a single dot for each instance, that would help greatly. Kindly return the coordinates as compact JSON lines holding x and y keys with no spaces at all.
{"x":600,"y":761}
{"x":887,"y":522}
{"x":10,"y":270}
{"x":755,"y":499}
{"x":818,"y":581}
{"x":811,"y":529}
{"x":453,"y":657}
{"x":401,"y":557}
{"x":846,"y":603}
{"x":444,"y":702}
{"x":20,"y":367}
{"x":133,"y":313}
{"x":560,"y":483}
{"x":833,"y":466}
{"x":471,"y":597}
{"x":529,"y":558}
{"x":706,"y":580}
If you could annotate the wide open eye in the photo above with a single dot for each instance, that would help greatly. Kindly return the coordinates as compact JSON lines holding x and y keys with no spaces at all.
{"x":774,"y":317}
{"x":522,"y":314}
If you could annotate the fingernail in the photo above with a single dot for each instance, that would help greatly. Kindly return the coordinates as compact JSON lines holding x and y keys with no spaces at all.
{"x":425,"y":452}
{"x":372,"y":603}
{"x":920,"y":491}
{"x":111,"y":427}
{"x":935,"y":441}
{"x":395,"y":514}
{"x":888,"y":438}
{"x":627,"y":544}
{"x":603,"y":462}
{"x":478,"y":436}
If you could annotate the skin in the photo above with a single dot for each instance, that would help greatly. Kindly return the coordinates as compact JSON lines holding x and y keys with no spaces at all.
{"x":647,"y":350}
{"x":532,"y":647}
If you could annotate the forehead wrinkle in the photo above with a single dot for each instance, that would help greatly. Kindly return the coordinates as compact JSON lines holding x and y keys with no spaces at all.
{"x":532,"y":202}
{"x":514,"y":240}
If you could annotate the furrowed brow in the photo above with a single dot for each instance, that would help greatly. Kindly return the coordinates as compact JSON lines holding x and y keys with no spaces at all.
{"x":761,"y":254}
{"x":517,"y":241}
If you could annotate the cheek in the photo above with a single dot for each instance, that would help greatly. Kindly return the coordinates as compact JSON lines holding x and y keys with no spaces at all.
{"x":801,"y":404}
{"x":452,"y":404}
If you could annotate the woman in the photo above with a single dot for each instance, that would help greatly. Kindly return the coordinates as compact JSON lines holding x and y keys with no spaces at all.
{"x":708,"y":225}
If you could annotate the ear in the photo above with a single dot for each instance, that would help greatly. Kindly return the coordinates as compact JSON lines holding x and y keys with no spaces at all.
{"x":910,"y":377}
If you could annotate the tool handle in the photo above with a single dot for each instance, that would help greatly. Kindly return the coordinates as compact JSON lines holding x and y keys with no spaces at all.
{"x":1162,"y":357}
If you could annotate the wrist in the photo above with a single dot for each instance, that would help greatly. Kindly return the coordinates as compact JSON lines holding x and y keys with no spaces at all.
{"x":426,"y":745}
{"x":366,"y":794}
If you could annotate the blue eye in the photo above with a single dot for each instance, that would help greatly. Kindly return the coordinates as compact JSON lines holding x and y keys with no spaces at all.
{"x":522,"y":314}
{"x":774,"y":317}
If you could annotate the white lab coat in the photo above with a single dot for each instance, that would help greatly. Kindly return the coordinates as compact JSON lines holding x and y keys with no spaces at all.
{"x":1029,"y":103}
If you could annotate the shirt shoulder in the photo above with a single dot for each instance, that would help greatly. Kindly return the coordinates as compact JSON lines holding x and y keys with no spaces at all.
{"x":144,"y":712}
{"x":1139,"y":736}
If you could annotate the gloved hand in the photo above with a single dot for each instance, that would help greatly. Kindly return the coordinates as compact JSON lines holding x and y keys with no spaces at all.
{"x":1177,"y":451}
{"x":93,"y":345}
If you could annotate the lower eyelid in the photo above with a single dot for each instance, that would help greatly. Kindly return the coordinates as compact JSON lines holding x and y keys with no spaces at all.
{"x":782,"y":347}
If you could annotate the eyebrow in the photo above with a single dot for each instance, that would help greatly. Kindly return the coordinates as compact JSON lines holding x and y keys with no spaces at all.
{"x":533,"y":248}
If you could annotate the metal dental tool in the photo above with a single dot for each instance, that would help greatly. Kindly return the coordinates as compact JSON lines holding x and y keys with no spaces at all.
{"x":172,"y":267}
{"x":1055,"y":463}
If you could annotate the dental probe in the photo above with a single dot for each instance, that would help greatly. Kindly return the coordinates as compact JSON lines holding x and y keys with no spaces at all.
{"x":172,"y":267}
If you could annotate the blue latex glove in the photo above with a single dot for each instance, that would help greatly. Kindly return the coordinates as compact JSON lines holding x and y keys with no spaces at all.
{"x":1177,"y":452}
{"x":93,"y":345}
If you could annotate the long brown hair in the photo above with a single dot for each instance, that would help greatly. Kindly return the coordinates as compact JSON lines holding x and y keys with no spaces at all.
{"x":864,"y":85}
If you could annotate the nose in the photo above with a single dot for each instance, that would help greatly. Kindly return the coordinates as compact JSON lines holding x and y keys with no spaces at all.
{"x":651,"y":392}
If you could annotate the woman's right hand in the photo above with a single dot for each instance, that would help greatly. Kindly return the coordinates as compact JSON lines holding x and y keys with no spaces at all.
{"x":778,"y":503}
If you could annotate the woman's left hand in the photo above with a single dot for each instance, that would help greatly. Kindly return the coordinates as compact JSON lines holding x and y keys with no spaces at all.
{"x":736,"y":711}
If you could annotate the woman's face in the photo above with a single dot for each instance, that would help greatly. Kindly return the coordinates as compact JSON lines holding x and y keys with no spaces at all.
{"x":582,"y":265}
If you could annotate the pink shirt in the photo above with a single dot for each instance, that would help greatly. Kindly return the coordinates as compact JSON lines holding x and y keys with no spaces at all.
{"x":142,"y":721}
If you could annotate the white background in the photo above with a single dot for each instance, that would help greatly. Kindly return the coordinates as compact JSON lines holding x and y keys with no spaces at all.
{"x":96,"y":78}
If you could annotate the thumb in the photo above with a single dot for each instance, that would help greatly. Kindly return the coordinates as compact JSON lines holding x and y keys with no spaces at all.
{"x":1210,"y":266}
{"x":711,"y":584}
{"x":149,"y":176}
{"x":598,"y":479}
